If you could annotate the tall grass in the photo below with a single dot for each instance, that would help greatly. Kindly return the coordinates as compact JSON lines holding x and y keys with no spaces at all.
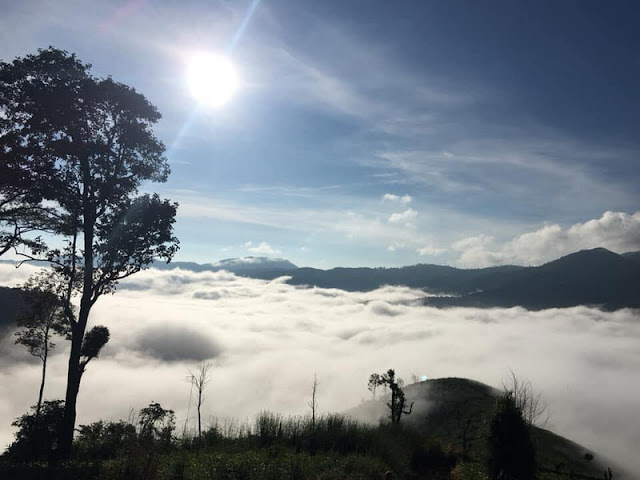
{"x":269,"y":446}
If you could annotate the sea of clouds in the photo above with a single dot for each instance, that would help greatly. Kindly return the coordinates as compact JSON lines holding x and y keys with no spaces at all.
{"x":266,"y":341}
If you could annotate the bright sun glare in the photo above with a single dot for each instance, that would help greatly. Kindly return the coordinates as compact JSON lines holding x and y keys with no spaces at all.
{"x":211,"y":78}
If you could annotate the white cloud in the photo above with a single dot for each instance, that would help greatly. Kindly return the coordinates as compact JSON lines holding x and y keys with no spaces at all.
{"x":430,"y":250}
{"x":472,"y":242}
{"x":396,"y":246}
{"x":406,"y":216}
{"x":267,"y":339}
{"x":616,"y":231}
{"x":262,"y":249}
{"x":405,"y":199}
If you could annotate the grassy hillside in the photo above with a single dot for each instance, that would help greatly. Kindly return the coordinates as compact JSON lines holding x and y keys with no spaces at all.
{"x":445,"y":408}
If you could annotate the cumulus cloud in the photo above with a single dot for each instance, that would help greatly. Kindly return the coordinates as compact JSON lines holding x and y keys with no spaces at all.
{"x":616,"y":231}
{"x":403,"y":217}
{"x":267,"y":340}
{"x":404,"y":199}
{"x":261,"y":249}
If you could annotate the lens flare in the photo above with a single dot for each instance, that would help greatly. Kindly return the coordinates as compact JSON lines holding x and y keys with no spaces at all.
{"x":212,"y":79}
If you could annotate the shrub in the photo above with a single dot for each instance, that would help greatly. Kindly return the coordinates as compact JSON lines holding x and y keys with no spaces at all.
{"x":37,"y":435}
{"x":511,"y":451}
{"x":103,"y":440}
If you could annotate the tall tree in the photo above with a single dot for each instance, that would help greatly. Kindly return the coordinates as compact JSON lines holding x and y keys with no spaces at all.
{"x":43,"y":318}
{"x":88,"y":143}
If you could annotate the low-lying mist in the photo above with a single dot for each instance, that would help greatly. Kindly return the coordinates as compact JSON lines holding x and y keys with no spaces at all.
{"x":268,"y":339}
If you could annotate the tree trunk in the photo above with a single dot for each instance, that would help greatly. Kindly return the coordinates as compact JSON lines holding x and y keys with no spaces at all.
{"x":44,"y":373}
{"x":74,"y":375}
{"x":199,"y":419}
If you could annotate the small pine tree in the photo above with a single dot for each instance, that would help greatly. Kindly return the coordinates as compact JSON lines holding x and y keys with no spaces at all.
{"x":511,"y":451}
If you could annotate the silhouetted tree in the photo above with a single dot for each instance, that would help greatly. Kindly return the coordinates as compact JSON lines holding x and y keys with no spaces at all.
{"x":199,"y":379}
{"x":511,"y":451}
{"x":397,"y":407}
{"x":43,"y":318}
{"x":92,"y":140}
{"x":374,"y":383}
{"x":156,"y":424}
{"x":313,"y":404}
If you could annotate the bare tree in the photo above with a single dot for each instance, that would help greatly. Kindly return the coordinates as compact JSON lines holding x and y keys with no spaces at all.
{"x":313,"y":403}
{"x":199,"y":380}
{"x":535,"y":410}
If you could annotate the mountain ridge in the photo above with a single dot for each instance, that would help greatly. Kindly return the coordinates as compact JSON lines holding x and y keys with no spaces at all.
{"x":595,"y":277}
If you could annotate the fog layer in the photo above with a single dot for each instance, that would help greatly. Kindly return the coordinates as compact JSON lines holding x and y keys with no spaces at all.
{"x":268,"y":339}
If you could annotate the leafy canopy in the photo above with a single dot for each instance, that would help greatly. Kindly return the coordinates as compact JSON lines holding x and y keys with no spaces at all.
{"x":82,"y":146}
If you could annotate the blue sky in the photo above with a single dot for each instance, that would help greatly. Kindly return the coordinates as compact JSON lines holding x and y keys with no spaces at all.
{"x":380,"y":133}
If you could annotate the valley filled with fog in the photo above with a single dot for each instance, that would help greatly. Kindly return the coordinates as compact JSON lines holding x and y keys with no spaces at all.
{"x":267,"y":339}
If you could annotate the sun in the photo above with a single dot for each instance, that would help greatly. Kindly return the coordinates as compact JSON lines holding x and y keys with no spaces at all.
{"x":211,"y":78}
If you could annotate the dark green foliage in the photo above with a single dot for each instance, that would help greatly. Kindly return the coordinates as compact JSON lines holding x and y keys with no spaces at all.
{"x":37,"y":435}
{"x":103,"y":440}
{"x":94,"y":340}
{"x":88,"y":144}
{"x":157,"y":425}
{"x":425,"y":458}
{"x":511,"y":452}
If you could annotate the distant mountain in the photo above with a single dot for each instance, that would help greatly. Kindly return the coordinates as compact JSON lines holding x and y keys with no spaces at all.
{"x":11,"y":302}
{"x":435,"y":278}
{"x":635,"y":256}
{"x":595,"y":277}
{"x":258,"y":267}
